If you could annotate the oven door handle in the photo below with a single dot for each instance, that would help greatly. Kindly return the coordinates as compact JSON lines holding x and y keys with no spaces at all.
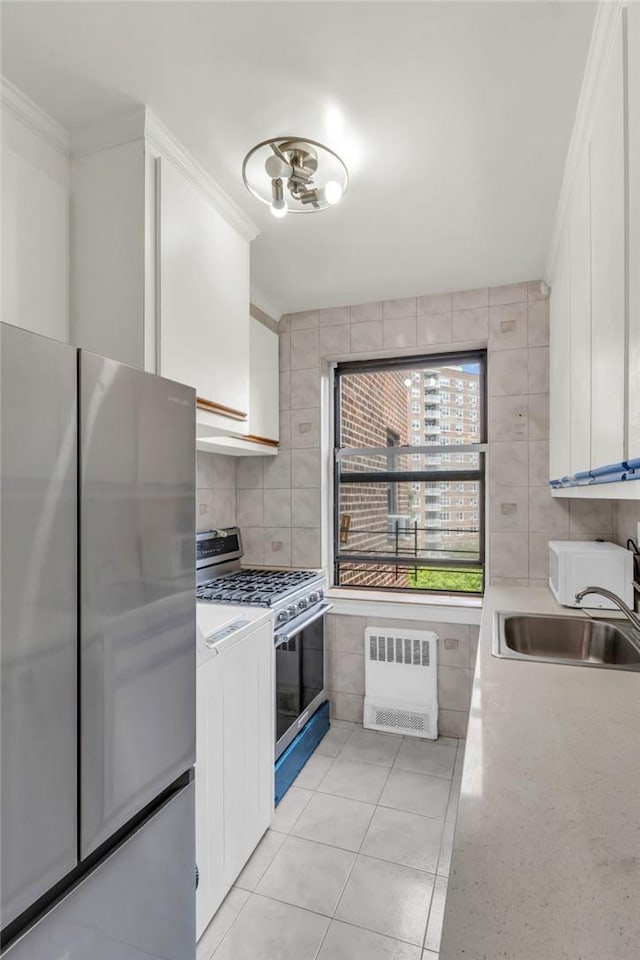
{"x":305,"y":620}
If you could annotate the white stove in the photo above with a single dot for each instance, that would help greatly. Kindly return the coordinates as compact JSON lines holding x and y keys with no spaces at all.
{"x":231,"y":598}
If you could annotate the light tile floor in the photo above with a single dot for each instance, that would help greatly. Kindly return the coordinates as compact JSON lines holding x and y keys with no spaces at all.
{"x":356,"y":864}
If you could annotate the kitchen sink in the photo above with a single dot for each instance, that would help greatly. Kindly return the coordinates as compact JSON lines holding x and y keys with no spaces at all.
{"x":577,"y":641}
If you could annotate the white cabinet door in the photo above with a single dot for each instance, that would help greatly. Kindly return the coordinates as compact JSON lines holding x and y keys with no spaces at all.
{"x":204,"y":292}
{"x":209,"y":792}
{"x":559,"y":356}
{"x":234,"y":763}
{"x":578,"y":371}
{"x":264,"y":381}
{"x":633,"y":93}
{"x":607,"y":150}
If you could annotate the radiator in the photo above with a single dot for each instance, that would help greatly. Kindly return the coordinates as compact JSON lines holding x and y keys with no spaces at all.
{"x":401,"y":681}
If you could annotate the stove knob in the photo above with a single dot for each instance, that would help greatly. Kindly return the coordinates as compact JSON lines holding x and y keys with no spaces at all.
{"x":283,"y":616}
{"x":320,"y":594}
{"x":291,"y":612}
{"x":303,"y":604}
{"x":313,"y":598}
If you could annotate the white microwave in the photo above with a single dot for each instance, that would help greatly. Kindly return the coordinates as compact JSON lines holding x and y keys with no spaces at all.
{"x":574,"y":565}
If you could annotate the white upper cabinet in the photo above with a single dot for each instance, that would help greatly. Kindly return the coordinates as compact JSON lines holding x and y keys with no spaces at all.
{"x":633,"y":137}
{"x":204,"y":295}
{"x":160,"y":266}
{"x":263,"y":378}
{"x":608,"y":264}
{"x":595,"y":295}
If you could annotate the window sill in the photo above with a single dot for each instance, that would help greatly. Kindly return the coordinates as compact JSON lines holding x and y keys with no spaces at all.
{"x":445,"y":608}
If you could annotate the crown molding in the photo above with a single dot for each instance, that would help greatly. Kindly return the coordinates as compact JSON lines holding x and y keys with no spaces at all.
{"x":603,"y":38}
{"x":164,"y":141}
{"x":142,"y":124}
{"x":33,"y":116}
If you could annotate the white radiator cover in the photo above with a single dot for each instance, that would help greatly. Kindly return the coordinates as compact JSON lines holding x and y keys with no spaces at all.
{"x":401,"y":681}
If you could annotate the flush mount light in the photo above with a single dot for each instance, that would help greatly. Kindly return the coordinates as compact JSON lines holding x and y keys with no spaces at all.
{"x":294,"y":175}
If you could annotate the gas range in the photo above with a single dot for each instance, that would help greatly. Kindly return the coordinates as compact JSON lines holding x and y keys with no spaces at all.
{"x":221,"y":579}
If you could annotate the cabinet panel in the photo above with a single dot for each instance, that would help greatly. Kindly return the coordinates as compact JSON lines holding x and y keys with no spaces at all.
{"x":204,"y":285}
{"x":607,"y":154}
{"x":263,"y":380}
{"x":633,"y":91}
{"x":579,"y":368}
{"x":559,"y":356}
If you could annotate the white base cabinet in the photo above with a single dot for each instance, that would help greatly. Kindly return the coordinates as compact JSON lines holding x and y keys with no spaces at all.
{"x":234,"y":763}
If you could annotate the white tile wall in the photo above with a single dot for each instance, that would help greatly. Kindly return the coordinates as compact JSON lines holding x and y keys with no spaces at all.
{"x":513,"y":320}
{"x":215,"y":490}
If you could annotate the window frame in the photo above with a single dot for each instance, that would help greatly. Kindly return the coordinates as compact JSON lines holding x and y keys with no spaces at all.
{"x":437,"y":474}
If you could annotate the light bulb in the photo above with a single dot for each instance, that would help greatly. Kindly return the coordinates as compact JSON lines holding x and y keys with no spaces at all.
{"x":332,"y":192}
{"x":278,"y":204}
{"x":277,"y":167}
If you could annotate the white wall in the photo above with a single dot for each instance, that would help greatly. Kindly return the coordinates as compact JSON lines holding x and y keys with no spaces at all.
{"x":34,"y":217}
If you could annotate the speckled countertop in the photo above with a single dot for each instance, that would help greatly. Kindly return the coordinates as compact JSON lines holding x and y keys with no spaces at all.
{"x":546,"y":858}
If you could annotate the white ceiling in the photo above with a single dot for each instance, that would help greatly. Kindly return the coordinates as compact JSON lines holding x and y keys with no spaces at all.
{"x":454,"y":119}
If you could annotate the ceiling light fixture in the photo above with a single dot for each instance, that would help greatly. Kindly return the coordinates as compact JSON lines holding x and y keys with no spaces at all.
{"x":294,"y":175}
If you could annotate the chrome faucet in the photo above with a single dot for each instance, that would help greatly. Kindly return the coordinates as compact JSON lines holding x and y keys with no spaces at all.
{"x":632,"y":617}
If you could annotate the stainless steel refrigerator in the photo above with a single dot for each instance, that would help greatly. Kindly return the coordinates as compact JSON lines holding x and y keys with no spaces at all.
{"x":97,"y":657}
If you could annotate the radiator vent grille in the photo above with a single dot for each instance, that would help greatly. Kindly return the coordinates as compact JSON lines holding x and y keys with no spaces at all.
{"x":409,"y":650}
{"x":399,"y":697}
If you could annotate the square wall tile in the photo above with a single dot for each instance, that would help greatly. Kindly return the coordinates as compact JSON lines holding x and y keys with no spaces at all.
{"x":508,"y":418}
{"x":394,"y":309}
{"x":347,"y":706}
{"x":277,"y":507}
{"x":591,"y":517}
{"x":285,"y":429}
{"x":306,"y":320}
{"x":508,"y":463}
{"x":305,"y":349}
{"x":250,"y":474}
{"x":305,"y":468}
{"x":538,"y":463}
{"x":366,"y":312}
{"x":509,"y":555}
{"x":334,"y":316}
{"x":467,"y":299}
{"x":453,"y":723}
{"x":348,"y":673}
{"x":399,"y":332}
{"x":277,"y":470}
{"x":508,"y":326}
{"x":366,"y":336}
{"x":223,"y":508}
{"x":305,"y":427}
{"x":548,"y":514}
{"x":349,"y":633}
{"x":539,"y":555}
{"x":433,"y":328}
{"x":335,"y":341}
{"x":253,"y":544}
{"x":277,"y":546}
{"x":508,"y":293}
{"x":435,"y":303}
{"x":224,"y":472}
{"x":508,"y":509}
{"x":305,"y":507}
{"x":539,"y":417}
{"x":305,"y":388}
{"x":284,"y":343}
{"x":453,"y":688}
{"x":508,"y":372}
{"x":306,"y":549}
{"x":471,"y":324}
{"x":539,"y":370}
{"x":250,"y":508}
{"x":538,"y":313}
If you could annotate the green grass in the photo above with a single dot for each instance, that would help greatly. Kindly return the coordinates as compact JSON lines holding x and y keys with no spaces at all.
{"x":462,"y":581}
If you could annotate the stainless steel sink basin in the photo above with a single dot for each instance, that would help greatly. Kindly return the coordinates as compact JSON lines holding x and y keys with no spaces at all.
{"x":571,"y":640}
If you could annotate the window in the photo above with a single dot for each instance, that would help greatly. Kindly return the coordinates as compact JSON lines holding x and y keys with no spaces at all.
{"x":444,"y":381}
{"x":459,"y":384}
{"x":415,"y":408}
{"x":392,"y":528}
{"x":415,"y":392}
{"x":445,"y":396}
{"x":445,"y":411}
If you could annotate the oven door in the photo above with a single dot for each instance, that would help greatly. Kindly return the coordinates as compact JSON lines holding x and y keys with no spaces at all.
{"x":299,"y":673}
